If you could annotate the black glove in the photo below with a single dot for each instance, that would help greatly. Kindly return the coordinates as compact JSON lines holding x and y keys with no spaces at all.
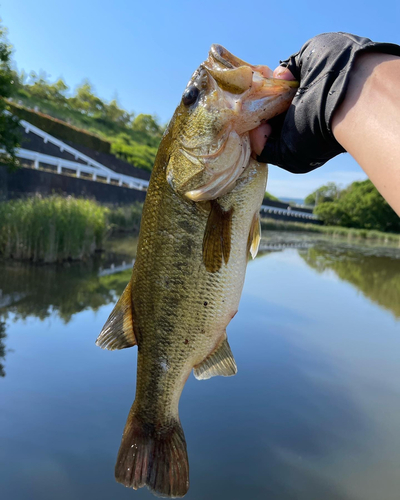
{"x":302,"y":138}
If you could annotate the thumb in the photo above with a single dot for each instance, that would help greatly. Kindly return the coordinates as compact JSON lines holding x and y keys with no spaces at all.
{"x":283,"y":73}
{"x":271,"y":152}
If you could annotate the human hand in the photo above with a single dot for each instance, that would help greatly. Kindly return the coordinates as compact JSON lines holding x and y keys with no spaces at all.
{"x":301,"y":139}
{"x":260,"y":135}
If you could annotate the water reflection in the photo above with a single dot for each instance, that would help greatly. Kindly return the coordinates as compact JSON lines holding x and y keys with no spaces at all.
{"x":2,"y":347}
{"x":311,"y":415}
{"x":63,"y":291}
{"x":282,"y":413}
{"x":376,"y":276}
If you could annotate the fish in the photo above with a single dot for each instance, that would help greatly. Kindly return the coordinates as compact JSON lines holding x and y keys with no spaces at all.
{"x":200,"y":223}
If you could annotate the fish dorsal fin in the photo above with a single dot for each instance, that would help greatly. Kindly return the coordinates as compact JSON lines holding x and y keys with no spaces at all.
{"x":217,"y":237}
{"x":253,"y":241}
{"x":118,"y":331}
{"x":219,"y":362}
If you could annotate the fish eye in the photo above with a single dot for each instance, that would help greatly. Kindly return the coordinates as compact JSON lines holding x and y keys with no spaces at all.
{"x":190,"y":95}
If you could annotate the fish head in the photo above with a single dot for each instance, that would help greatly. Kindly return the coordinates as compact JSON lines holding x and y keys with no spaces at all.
{"x":224,"y":99}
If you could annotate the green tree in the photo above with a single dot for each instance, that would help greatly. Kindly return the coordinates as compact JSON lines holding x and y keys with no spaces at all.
{"x":376,"y":276}
{"x":58,"y":91}
{"x":87,"y":102}
{"x":360,"y":206}
{"x":2,"y":346}
{"x":328,"y":192}
{"x":117,"y":115}
{"x":40,"y":88}
{"x":270,"y":196}
{"x":9,"y":136}
{"x":147,"y":124}
{"x":147,"y":129}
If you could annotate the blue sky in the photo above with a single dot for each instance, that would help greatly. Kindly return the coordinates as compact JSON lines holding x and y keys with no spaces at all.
{"x":144,"y":52}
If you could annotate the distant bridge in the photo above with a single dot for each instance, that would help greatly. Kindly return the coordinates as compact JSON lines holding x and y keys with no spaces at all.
{"x":282,"y":211}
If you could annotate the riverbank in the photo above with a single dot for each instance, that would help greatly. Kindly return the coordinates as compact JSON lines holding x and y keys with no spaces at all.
{"x":335,"y":231}
{"x":56,"y":228}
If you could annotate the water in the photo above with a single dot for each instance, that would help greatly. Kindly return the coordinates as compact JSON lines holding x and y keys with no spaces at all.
{"x":312,"y":414}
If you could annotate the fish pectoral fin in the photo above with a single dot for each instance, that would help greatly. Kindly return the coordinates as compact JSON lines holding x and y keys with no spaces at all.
{"x":217,"y":237}
{"x":253,"y":241}
{"x":118,"y":331}
{"x":219,"y":362}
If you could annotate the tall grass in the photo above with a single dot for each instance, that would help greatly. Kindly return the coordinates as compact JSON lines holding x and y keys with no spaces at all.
{"x":125,"y":219}
{"x":51,"y":229}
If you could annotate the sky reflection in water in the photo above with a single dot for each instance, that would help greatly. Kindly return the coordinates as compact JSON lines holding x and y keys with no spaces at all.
{"x":312,"y":413}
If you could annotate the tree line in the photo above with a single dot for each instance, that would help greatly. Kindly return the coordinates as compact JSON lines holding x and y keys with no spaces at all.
{"x":9,"y":137}
{"x":360,"y":205}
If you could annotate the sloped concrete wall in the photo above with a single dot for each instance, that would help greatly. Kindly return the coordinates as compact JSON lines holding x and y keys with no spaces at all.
{"x":26,"y":181}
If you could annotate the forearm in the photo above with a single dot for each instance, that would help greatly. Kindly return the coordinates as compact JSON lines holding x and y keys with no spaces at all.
{"x":367,"y":123}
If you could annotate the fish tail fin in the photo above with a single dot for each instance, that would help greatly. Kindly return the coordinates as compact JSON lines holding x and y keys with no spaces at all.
{"x":153,"y":458}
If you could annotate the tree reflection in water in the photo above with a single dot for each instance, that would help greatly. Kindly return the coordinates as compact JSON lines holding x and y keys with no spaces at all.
{"x":41,"y":291}
{"x":2,"y":347}
{"x":376,"y":276}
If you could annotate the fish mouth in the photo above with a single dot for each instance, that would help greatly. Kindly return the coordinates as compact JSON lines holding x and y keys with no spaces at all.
{"x":225,"y":58}
{"x":252,"y":95}
{"x":237,"y":76}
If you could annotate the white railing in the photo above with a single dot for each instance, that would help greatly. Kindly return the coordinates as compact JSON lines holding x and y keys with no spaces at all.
{"x":109,"y":176}
{"x":63,"y":146}
{"x":288,"y":212}
{"x":115,"y":269}
{"x":92,"y":167}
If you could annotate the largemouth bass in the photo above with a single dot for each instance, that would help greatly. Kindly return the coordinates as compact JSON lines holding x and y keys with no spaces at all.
{"x":200,"y":223}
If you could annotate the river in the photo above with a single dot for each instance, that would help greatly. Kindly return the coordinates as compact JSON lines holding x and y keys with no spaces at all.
{"x":313,"y":413}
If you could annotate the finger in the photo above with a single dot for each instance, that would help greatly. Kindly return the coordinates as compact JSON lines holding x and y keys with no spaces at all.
{"x":283,"y":73}
{"x":270,"y":152}
{"x":258,"y":138}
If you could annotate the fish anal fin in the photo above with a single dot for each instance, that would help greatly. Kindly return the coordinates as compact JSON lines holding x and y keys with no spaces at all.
{"x":219,"y":362}
{"x":253,"y":241}
{"x":118,"y":331}
{"x":217,"y":237}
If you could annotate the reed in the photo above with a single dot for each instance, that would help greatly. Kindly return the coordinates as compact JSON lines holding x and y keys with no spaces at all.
{"x":125,"y":219}
{"x":51,"y":229}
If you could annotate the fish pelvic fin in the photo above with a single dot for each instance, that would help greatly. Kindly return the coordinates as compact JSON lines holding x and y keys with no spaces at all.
{"x":219,"y":362}
{"x":118,"y":331}
{"x":217,"y":237}
{"x":153,"y":458}
{"x":253,"y":241}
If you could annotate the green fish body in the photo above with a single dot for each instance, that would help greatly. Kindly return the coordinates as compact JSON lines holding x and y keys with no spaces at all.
{"x":199,"y":225}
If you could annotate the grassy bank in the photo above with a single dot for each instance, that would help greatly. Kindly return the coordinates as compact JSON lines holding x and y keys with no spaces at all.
{"x":336,"y":231}
{"x":56,"y":228}
{"x":51,"y":229}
